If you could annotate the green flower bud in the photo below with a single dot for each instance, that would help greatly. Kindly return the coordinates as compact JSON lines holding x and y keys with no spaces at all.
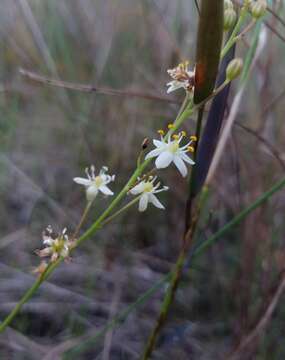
{"x":228,"y":4}
{"x":229,"y":18}
{"x":258,"y":8}
{"x":234,"y":69}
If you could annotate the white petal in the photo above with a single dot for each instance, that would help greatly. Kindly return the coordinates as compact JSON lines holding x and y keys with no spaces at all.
{"x":154,"y":200}
{"x":91,"y":193}
{"x":105,"y":190}
{"x":82,"y":181}
{"x":186,"y":158}
{"x":174,"y":85}
{"x":137,"y":189}
{"x":180,"y":165}
{"x":164,"y":159}
{"x":158,"y":143}
{"x":48,"y":241}
{"x":153,"y":153}
{"x":143,"y":202}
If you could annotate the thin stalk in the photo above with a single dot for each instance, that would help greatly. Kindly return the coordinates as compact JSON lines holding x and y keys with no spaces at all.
{"x":124,"y":208}
{"x":174,"y":282}
{"x":83,"y":218}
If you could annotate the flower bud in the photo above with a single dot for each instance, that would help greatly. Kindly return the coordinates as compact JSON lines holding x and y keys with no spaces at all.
{"x":234,"y":69}
{"x":258,"y":8}
{"x":228,"y":4}
{"x":229,"y":18}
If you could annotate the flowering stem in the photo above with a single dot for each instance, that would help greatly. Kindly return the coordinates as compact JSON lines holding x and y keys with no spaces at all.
{"x":188,"y":109}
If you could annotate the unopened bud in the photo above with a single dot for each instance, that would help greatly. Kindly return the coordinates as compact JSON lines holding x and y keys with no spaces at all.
{"x":258,"y":8}
{"x":228,"y":4}
{"x":144,"y":144}
{"x":234,"y":69}
{"x":229,"y":18}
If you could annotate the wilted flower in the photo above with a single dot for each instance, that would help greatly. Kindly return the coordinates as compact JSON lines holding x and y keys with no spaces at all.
{"x":57,"y":245}
{"x":170,"y":151}
{"x":93,"y":183}
{"x":41,"y":268}
{"x":182,"y":78}
{"x":147,"y":189}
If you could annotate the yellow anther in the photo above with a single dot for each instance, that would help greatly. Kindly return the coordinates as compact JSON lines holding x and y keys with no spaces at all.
{"x":170,"y":126}
{"x":193,"y":138}
{"x":190,"y":149}
{"x":175,"y":137}
{"x":183,"y":133}
{"x":161,"y":132}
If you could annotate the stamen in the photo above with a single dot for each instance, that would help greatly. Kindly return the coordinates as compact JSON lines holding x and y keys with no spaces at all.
{"x":87,"y":173}
{"x":190,"y":149}
{"x":175,"y":137}
{"x":193,"y":138}
{"x":161,"y":132}
{"x":170,"y":126}
{"x":183,"y":133}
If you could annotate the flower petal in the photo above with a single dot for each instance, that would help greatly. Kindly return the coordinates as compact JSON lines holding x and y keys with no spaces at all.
{"x":164,"y":159}
{"x":153,"y":153}
{"x":82,"y":181}
{"x":154,"y":200}
{"x":158,"y":143}
{"x":186,"y":158}
{"x":105,"y":190}
{"x":91,"y":193}
{"x":180,"y":165}
{"x":143,"y":202}
{"x":137,"y":189}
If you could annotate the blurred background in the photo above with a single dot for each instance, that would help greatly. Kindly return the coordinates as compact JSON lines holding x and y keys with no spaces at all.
{"x":49,"y":134}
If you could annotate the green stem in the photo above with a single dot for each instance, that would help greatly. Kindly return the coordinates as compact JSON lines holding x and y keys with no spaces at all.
{"x":124,"y":208}
{"x":81,"y":221}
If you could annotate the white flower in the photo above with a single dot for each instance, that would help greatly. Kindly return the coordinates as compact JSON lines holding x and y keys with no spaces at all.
{"x":169,"y":151}
{"x":182,"y":78}
{"x":93,"y":183}
{"x":147,"y":189}
{"x":57,"y":245}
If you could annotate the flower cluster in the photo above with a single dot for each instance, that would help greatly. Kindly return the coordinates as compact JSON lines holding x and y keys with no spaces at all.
{"x":93,"y":184}
{"x":182,"y":78}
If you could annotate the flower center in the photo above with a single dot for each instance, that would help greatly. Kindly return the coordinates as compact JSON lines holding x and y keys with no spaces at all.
{"x":173,"y":147}
{"x":98,"y":181}
{"x":148,"y":187}
{"x":58,"y":245}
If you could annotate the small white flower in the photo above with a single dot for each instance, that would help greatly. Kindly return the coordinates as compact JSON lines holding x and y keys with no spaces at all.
{"x":182,"y":78}
{"x":169,"y":151}
{"x":93,"y":183}
{"x":56,"y":245}
{"x":147,"y":189}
